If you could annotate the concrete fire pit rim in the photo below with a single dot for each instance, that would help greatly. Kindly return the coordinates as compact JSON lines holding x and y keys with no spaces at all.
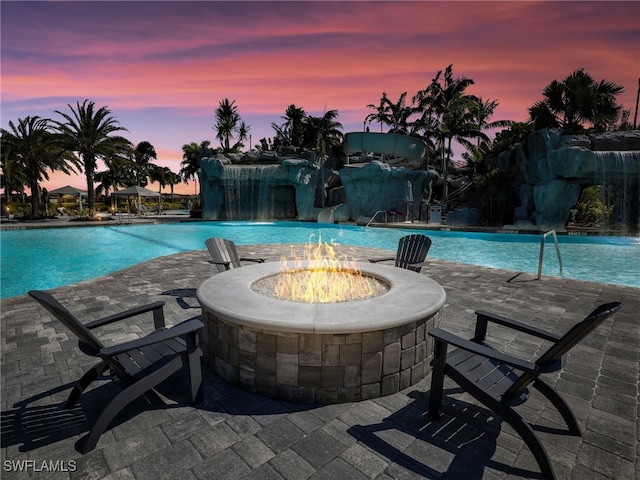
{"x":411,"y":297}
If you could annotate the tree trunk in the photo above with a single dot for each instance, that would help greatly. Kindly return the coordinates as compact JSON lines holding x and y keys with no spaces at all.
{"x":89,"y":168}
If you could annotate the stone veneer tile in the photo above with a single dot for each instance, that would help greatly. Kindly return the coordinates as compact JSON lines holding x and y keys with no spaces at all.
{"x":247,"y":360}
{"x":391,"y":362}
{"x":372,"y":341}
{"x":421,"y":352}
{"x":352,"y":375}
{"x":337,"y":339}
{"x":265,"y":344}
{"x":421,"y":331}
{"x":390,"y":384}
{"x":370,"y":391}
{"x":287,"y":368}
{"x":405,"y":379}
{"x":310,"y":350}
{"x":408,"y":340}
{"x":330,"y":355}
{"x":247,"y":340}
{"x":407,"y":358}
{"x":332,"y":377}
{"x":354,"y":338}
{"x":392,"y":335}
{"x":287,"y":342}
{"x":308,"y":375}
{"x":351,"y":354}
{"x":417,"y":372}
{"x":371,"y":367}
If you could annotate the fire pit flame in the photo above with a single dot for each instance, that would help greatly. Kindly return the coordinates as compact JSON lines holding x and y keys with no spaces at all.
{"x":320,"y":275}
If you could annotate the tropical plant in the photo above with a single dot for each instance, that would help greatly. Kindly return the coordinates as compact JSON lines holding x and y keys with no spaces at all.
{"x":89,"y":133}
{"x":481,"y":111}
{"x":575,"y":102}
{"x":229,"y":125}
{"x":30,"y":150}
{"x":292,"y":131}
{"x":590,"y":208}
{"x":172,"y":179}
{"x":380,"y":115}
{"x":143,"y":154}
{"x":395,"y":115}
{"x":446,"y":115}
{"x":121,"y":172}
{"x":323,"y":135}
{"x":192,"y":154}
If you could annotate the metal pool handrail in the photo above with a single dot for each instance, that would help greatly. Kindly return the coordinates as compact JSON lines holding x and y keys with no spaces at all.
{"x":375,"y":215}
{"x":542,"y":242}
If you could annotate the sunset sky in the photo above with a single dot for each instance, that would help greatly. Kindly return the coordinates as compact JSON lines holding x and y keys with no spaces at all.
{"x":161,"y":67}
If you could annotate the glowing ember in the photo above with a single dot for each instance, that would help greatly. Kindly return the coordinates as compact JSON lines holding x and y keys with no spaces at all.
{"x":326,"y":278}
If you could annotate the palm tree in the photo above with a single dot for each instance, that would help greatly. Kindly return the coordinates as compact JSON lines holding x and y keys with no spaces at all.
{"x":227,"y":119}
{"x":396,"y":115}
{"x":576,"y":100}
{"x":13,"y":177}
{"x":292,"y":131}
{"x":482,"y":110}
{"x":192,"y":153}
{"x":322,"y":134}
{"x":88,"y":132}
{"x":243,"y":134}
{"x":380,"y":114}
{"x":446,"y":114}
{"x":172,"y":179}
{"x":30,"y":150}
{"x":121,"y":172}
{"x":142,"y":156}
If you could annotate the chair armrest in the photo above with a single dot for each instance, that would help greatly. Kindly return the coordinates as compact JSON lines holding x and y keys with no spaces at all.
{"x":483,"y":350}
{"x":420,"y":264}
{"x":132,"y":312}
{"x":483,"y":317}
{"x":158,"y":336}
{"x":226,"y":264}
{"x":376,"y":260}
{"x":257,"y":260}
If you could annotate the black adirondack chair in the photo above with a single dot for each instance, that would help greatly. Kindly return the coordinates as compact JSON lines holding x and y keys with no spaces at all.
{"x":412,"y":250}
{"x":224,"y":254}
{"x":138,"y":365}
{"x":501,"y":381}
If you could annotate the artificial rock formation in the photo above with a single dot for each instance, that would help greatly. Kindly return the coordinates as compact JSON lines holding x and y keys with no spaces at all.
{"x":555,"y":168}
{"x":376,"y":186}
{"x":298,"y":188}
{"x":247,"y":192}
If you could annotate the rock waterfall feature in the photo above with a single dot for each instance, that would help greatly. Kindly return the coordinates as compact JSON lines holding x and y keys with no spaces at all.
{"x":552,"y":169}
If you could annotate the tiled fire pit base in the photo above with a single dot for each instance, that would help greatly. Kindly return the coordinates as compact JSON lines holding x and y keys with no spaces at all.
{"x":326,"y":353}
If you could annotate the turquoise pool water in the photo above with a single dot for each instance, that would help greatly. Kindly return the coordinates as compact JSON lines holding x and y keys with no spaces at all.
{"x":49,"y":258}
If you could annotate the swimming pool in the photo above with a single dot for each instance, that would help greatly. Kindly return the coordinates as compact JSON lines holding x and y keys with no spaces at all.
{"x":53,"y":257}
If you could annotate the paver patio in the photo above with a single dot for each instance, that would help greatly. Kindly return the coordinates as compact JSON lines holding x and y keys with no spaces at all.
{"x":236,"y":434}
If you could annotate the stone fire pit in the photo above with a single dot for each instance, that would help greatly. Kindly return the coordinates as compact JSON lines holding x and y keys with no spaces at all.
{"x":320,"y":352}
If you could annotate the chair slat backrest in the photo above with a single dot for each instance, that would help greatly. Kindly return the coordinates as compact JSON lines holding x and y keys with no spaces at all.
{"x":569,"y":340}
{"x":412,"y":249}
{"x":69,"y":320}
{"x":223,"y":250}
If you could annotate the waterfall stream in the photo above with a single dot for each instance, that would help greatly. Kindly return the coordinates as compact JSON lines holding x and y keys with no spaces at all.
{"x":249,"y":192}
{"x":618,"y":173}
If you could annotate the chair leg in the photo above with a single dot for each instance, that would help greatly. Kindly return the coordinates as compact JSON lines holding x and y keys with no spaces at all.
{"x":125,"y":397}
{"x":194,"y":355}
{"x":437,"y":378}
{"x":84,"y":382}
{"x":561,"y":405}
{"x":530,"y":438}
